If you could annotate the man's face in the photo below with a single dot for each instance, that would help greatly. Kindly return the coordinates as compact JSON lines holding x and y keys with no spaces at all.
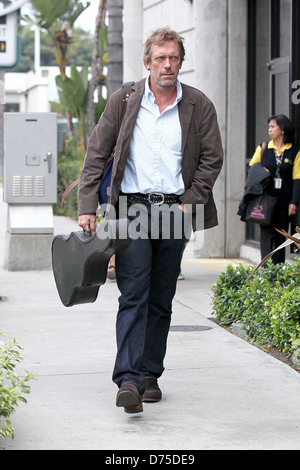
{"x":165,"y":64}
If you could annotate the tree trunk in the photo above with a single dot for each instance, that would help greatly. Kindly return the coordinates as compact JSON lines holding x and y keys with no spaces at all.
{"x":97,"y":64}
{"x":62,"y":42}
{"x":115,"y":45}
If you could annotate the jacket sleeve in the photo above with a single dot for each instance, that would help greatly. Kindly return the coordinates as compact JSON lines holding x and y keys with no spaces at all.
{"x":256,"y":157}
{"x":100,"y":146}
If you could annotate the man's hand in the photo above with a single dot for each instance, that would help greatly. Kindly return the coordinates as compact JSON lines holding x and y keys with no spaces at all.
{"x":87,"y":222}
{"x":182,"y":207}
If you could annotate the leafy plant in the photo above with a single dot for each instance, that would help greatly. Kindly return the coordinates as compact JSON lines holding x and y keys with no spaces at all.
{"x":12,"y":387}
{"x":285,"y":316}
{"x":57,"y":18}
{"x":227,"y":300}
{"x":73,"y":97}
{"x":69,"y":166}
{"x":267,"y":306}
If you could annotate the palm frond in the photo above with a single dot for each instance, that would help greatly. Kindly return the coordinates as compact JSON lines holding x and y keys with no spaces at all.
{"x":295,"y":238}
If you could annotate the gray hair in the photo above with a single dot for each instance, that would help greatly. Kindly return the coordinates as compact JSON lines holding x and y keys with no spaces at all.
{"x":159,"y":37}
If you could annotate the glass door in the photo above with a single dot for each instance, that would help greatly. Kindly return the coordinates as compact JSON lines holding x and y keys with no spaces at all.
{"x":279,"y":66}
{"x":280,"y":86}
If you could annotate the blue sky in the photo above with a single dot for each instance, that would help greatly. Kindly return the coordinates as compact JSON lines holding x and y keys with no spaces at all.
{"x":88,"y":18}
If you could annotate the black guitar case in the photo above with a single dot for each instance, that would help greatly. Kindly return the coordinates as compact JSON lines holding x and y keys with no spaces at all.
{"x":80,"y":261}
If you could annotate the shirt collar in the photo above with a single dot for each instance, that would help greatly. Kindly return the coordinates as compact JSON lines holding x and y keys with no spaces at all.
{"x":149,"y":95}
{"x":273,"y":146}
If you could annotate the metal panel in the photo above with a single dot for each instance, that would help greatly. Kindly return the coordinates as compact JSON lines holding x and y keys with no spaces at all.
{"x":30,"y":158}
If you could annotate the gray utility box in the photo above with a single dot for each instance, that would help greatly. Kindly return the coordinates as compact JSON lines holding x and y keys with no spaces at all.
{"x":30,"y":158}
{"x":30,"y":188}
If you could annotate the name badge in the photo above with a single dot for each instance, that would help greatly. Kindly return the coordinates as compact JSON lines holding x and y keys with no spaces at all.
{"x":277,"y":183}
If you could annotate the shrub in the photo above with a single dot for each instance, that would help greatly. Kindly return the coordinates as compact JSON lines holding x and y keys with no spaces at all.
{"x":267,"y":306}
{"x":285,"y":316}
{"x":254,"y":314}
{"x":12,"y":388}
{"x":227,"y":301}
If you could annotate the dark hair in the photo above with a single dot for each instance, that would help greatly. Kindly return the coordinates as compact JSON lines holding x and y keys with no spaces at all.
{"x":160,"y":36}
{"x":286,"y":126}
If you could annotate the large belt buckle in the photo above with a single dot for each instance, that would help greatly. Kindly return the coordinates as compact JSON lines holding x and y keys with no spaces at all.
{"x":156,"y":203}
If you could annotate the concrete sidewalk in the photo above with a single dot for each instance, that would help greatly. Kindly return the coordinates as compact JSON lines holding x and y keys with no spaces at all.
{"x":219,"y":392}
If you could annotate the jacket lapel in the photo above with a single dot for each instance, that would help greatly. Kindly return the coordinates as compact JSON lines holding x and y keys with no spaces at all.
{"x":186,"y":109}
{"x":133,"y":107}
{"x":126,"y":130}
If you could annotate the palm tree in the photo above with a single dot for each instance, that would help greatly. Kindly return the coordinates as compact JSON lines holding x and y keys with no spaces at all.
{"x":115,"y":45}
{"x":57,"y":18}
{"x":99,"y":59}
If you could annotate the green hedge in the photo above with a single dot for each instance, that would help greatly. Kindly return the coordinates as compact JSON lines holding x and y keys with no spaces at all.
{"x":267,"y":306}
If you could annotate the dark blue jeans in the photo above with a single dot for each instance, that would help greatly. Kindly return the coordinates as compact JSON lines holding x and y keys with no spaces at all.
{"x":146,"y":274}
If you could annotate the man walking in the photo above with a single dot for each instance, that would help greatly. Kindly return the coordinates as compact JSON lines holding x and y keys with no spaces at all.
{"x":168,"y":155}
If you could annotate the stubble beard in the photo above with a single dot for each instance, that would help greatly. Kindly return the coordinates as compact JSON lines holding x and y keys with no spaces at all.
{"x":166,"y":84}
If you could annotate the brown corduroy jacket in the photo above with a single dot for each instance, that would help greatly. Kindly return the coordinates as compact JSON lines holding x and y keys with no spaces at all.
{"x":202,"y":153}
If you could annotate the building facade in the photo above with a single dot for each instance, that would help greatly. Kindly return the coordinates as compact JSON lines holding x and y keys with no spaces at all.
{"x":244,"y":55}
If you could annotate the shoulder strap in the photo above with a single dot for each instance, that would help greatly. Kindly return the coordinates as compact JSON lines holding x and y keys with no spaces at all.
{"x":127,"y":90}
{"x":68,"y":190}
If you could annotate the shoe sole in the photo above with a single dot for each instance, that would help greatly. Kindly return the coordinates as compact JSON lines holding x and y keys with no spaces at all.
{"x":151,"y":400}
{"x":129,"y":401}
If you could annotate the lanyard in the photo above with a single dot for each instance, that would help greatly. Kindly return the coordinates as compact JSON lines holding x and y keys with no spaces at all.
{"x":279,"y":159}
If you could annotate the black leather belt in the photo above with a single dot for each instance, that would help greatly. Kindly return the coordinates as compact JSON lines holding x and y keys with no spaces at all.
{"x":155,"y":198}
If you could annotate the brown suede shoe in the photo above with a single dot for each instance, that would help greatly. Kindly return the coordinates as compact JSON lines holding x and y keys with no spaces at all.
{"x":130,"y":397}
{"x":153,"y":392}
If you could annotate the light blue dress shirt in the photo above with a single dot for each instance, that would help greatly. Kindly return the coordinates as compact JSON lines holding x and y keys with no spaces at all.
{"x":154,"y":160}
